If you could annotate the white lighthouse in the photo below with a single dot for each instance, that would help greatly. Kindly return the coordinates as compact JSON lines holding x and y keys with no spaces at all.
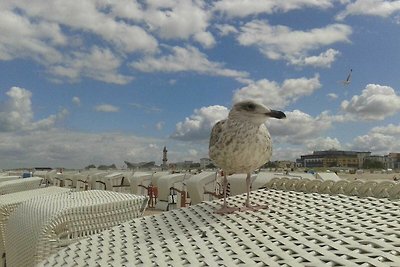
{"x":165,"y":159}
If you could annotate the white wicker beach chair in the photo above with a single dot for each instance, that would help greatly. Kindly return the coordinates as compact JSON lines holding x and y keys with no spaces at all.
{"x":197,"y":184}
{"x":115,"y":181}
{"x":9,"y":202}
{"x":139,"y":182}
{"x":325,"y":187}
{"x":164,"y":185}
{"x":297,"y":229}
{"x":366,"y":189}
{"x":394,"y":191}
{"x":43,"y":225}
{"x":9,"y":178}
{"x":273,"y":183}
{"x":301,"y":184}
{"x":13,"y":186}
{"x":339,"y":187}
{"x":382,"y":189}
{"x":353,"y":187}
{"x":238,"y":183}
{"x":312,"y":186}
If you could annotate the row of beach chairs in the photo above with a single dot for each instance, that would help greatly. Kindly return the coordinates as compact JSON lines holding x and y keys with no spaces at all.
{"x":40,"y":215}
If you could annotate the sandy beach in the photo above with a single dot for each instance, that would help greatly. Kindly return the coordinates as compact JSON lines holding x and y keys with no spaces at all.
{"x":367,"y":176}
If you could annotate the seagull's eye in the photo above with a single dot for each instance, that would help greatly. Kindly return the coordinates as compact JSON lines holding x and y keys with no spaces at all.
{"x":250,"y":107}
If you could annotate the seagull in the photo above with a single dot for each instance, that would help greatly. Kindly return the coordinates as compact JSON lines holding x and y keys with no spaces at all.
{"x":241,"y":144}
{"x":348,"y":79}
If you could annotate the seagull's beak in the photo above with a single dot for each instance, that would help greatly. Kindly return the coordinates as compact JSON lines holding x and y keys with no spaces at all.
{"x":276,"y":114}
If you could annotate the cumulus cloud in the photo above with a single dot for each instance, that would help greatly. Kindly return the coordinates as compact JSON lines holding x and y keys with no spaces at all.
{"x":323,"y":143}
{"x":380,"y":139}
{"x":76,"y":100}
{"x":298,"y":127}
{"x":55,"y":35}
{"x":332,"y":96}
{"x":58,"y":147}
{"x":376,"y":102}
{"x":160,"y":125}
{"x":106,"y":108}
{"x":16,"y":113}
{"x":381,"y":8}
{"x":324,"y":60}
{"x":281,"y":42}
{"x":180,"y":19}
{"x":22,"y":37}
{"x":198,"y":125}
{"x":226,"y":29}
{"x":244,"y":8}
{"x":275,"y":95}
{"x":63,"y":148}
{"x":186,"y":59}
{"x":98,"y":63}
{"x":89,"y":16}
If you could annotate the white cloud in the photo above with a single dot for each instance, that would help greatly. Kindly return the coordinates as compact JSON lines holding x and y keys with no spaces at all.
{"x":89,"y":16}
{"x":298,"y":127}
{"x":169,"y":20}
{"x":390,"y":129}
{"x":324,"y":60}
{"x":281,"y":42}
{"x":275,"y":95}
{"x":186,"y":59}
{"x":16,"y":114}
{"x":55,"y":35}
{"x":380,"y":140}
{"x":376,"y":142}
{"x":57,"y":148}
{"x":76,"y":100}
{"x":106,"y":108}
{"x":160,"y":125}
{"x":63,"y":148}
{"x":23,"y":38}
{"x":244,"y":8}
{"x":226,"y":29}
{"x":98,"y":63}
{"x":198,"y":125}
{"x":332,"y":96}
{"x":205,"y":38}
{"x":323,"y":143}
{"x":381,"y":8}
{"x":179,"y":20}
{"x":376,"y":102}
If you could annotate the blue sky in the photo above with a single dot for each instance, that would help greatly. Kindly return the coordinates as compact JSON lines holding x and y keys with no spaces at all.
{"x":100,"y":82}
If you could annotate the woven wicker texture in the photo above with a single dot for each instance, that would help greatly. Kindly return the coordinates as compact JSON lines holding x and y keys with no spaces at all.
{"x":298,"y":229}
{"x":41,"y":226}
{"x":9,"y":178}
{"x":13,"y":186}
{"x":385,"y":189}
{"x":9,"y":202}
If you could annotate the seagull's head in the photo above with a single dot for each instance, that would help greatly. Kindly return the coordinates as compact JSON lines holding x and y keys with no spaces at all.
{"x":249,"y":110}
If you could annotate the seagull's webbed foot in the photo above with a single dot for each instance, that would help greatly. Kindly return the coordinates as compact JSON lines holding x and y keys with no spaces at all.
{"x":248,"y":207}
{"x":226,"y":210}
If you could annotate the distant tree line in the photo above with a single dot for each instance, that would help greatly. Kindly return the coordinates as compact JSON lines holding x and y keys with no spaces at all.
{"x":373,"y":164}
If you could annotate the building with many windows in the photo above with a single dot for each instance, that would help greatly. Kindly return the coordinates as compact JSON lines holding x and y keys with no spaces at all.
{"x":348,"y":159}
{"x":333,"y":158}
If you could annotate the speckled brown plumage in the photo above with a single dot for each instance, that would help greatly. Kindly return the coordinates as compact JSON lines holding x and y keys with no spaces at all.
{"x":242,"y":143}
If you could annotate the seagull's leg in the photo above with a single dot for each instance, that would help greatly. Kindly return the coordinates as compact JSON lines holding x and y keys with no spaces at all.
{"x":225,"y":209}
{"x":248,"y":185}
{"x":247,"y":205}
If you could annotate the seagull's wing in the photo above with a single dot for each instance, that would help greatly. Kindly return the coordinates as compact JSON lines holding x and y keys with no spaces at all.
{"x":349,"y":77}
{"x":216,"y":132}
